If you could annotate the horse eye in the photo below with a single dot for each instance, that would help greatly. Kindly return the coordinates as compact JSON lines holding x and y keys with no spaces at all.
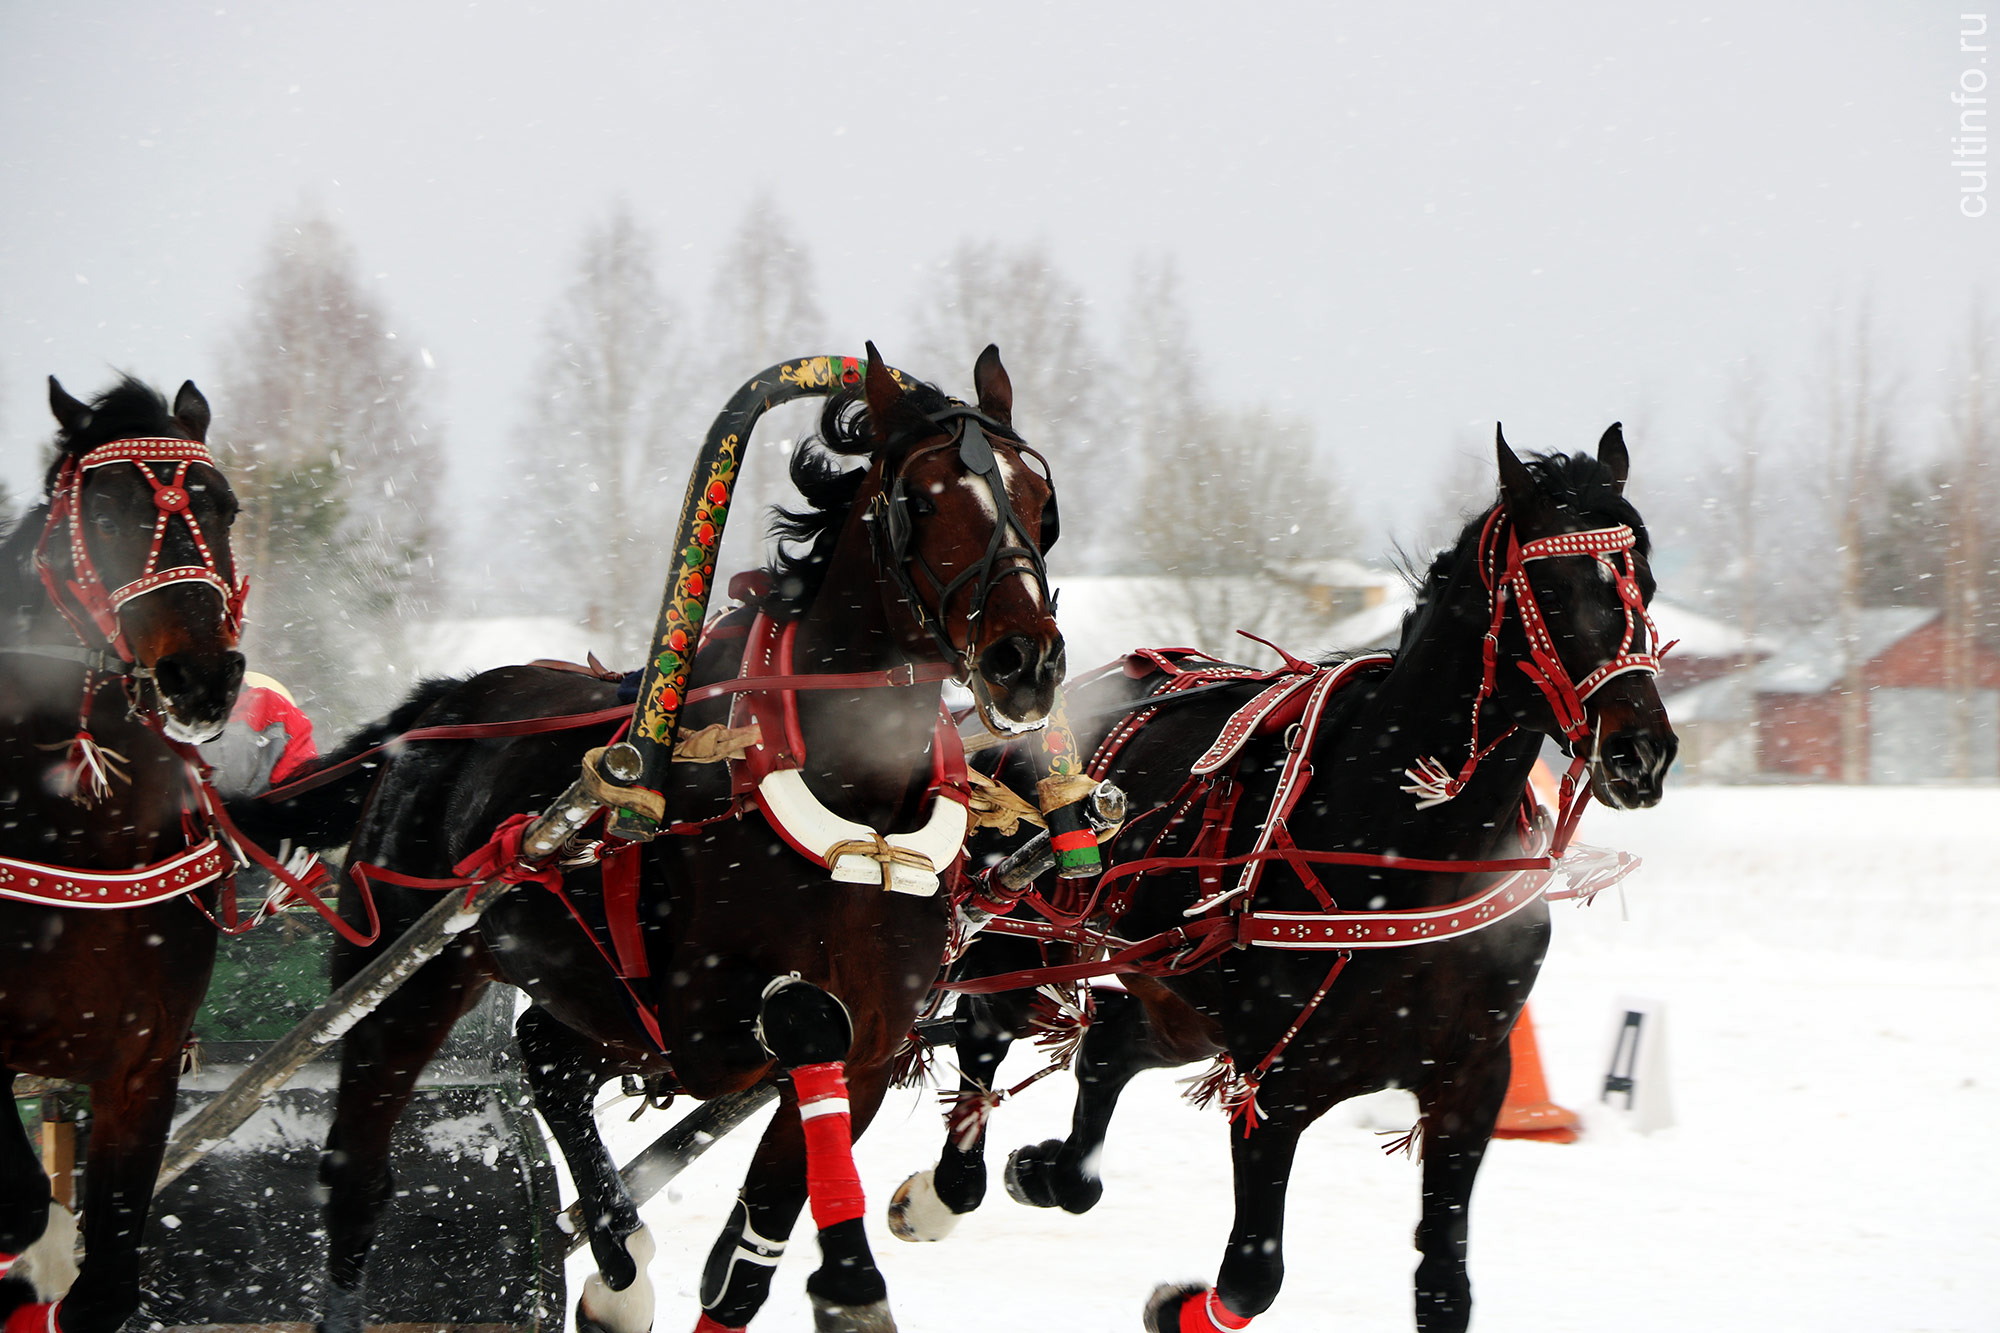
{"x":922,"y":506}
{"x":105,"y":523}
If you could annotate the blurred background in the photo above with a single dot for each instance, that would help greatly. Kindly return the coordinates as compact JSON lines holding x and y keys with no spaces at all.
{"x":464,"y":284}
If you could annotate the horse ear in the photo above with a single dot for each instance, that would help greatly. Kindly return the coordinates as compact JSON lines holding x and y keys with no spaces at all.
{"x":71,"y":415}
{"x":191,"y":410}
{"x":1611,"y":453}
{"x":996,"y":391}
{"x":1517,"y":484}
{"x":884,"y":395}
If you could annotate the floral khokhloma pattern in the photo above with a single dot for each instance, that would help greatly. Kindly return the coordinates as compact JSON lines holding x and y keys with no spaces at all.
{"x":681,"y":615}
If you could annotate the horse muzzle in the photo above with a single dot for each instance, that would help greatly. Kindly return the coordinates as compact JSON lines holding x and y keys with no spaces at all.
{"x":1628,"y":767}
{"x":1018,"y":676}
{"x":197,"y":691}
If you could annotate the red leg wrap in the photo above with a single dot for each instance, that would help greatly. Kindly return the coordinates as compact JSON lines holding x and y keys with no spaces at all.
{"x":36,"y":1318}
{"x":831,"y":1180}
{"x":6,"y":1262}
{"x":707,"y":1324}
{"x":1207,"y":1314}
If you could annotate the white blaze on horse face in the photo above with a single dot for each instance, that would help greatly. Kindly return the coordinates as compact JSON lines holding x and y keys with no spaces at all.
{"x":982,"y":494}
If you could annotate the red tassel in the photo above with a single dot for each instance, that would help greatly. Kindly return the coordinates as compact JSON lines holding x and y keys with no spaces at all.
{"x":967,"y":1114}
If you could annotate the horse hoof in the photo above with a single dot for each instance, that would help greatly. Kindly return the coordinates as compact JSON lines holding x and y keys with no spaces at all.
{"x":1028,"y":1174}
{"x":50,"y":1263}
{"x":871,"y":1318}
{"x":1164,"y":1306}
{"x":600,"y":1309}
{"x":916,"y":1213}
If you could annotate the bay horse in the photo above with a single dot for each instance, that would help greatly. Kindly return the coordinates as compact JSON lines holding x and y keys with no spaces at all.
{"x":755,"y":962}
{"x":1555,"y":577}
{"x":117,"y":651}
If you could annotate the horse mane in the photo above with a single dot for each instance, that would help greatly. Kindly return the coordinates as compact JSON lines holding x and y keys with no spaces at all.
{"x":1577,"y":484}
{"x":830,"y":487}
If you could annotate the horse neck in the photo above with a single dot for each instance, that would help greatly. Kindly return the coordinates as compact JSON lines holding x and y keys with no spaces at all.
{"x":26,"y":614}
{"x":866,"y":750}
{"x":1422,"y":709}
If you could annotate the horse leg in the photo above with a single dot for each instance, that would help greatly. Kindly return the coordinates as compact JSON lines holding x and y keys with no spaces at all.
{"x":565,"y":1071}
{"x":1457,"y":1123}
{"x":809,"y":1033}
{"x":1066,"y":1173}
{"x":25,"y":1208}
{"x":737,"y":1278}
{"x":380,"y":1059}
{"x":1253,"y":1267}
{"x":130,"y":1116}
{"x":928,"y":1205}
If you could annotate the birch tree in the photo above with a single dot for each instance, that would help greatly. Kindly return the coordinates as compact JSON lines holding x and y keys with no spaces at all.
{"x":601,"y":447}
{"x":330,"y":441}
{"x":764,"y":308}
{"x":1018,"y":299}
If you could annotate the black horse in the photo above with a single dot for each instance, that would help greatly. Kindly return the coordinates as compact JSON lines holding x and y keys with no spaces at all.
{"x":758,"y":960}
{"x":1433,"y":1017}
{"x":117,"y":650}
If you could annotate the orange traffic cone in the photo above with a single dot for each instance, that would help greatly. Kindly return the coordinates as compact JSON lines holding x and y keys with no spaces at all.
{"x":1528,"y":1113}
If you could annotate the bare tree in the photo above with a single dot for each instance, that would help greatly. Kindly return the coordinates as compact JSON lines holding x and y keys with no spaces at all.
{"x":1854,"y":444}
{"x":1966,"y":583}
{"x":600,"y":443}
{"x":1233,"y":505}
{"x":1236,"y":511}
{"x":1019,"y":300}
{"x":333,"y":451}
{"x":763,"y":308}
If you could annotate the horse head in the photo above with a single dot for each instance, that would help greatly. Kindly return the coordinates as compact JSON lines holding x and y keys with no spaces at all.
{"x":961,"y":522}
{"x":135,"y":551}
{"x":1570,"y":554}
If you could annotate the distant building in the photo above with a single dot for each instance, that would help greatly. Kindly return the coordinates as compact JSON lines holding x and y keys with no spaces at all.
{"x":1780,"y":720}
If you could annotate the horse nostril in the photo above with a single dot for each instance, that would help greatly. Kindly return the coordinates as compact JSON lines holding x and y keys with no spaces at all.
{"x":1055,"y":664}
{"x":1007,"y":661}
{"x":172,"y":676}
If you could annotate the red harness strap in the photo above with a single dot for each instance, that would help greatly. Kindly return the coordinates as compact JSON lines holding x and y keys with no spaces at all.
{"x":66,"y":886}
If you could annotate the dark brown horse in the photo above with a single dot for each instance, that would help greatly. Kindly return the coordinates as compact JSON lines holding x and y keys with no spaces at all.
{"x":1385,"y":774}
{"x":123,"y":638}
{"x":759,"y":963}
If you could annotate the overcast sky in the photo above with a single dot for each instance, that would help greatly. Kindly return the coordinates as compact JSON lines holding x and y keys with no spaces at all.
{"x":1407,"y":220}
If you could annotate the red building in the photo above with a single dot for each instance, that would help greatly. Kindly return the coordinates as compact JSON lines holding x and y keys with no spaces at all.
{"x":1915,"y":727}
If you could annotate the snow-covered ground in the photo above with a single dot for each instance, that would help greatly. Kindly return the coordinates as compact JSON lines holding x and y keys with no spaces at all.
{"x":1830,"y":963}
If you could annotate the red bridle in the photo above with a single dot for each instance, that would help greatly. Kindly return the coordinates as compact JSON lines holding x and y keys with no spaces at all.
{"x":1508,"y":584}
{"x":89,"y":603}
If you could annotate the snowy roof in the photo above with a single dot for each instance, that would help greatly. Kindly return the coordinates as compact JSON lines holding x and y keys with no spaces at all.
{"x":1811,"y":662}
{"x":460,"y":646}
{"x":1726,"y":698}
{"x":1337,"y":572}
{"x":1107,"y":615}
{"x":1380,"y":626}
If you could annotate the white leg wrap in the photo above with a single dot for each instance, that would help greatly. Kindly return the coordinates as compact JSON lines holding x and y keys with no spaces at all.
{"x":917,"y":1213}
{"x":50,"y":1263}
{"x":630,"y":1310}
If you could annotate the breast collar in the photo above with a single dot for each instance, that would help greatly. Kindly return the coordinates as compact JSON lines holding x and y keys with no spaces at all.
{"x":768,"y":774}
